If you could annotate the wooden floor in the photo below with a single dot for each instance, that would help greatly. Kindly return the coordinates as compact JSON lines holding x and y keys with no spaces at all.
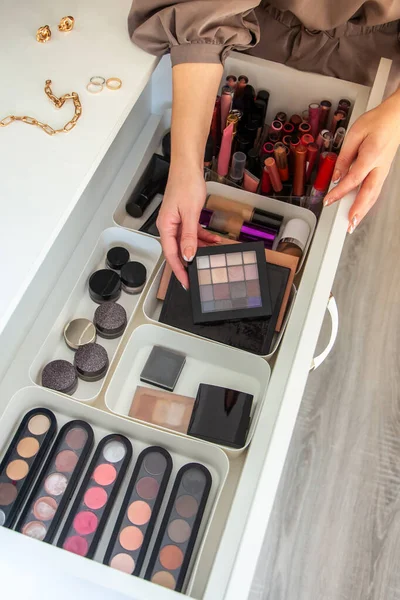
{"x":334,"y":533}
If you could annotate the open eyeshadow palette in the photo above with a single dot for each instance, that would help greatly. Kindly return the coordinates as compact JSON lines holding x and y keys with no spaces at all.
{"x":229,"y":283}
{"x":118,"y":512}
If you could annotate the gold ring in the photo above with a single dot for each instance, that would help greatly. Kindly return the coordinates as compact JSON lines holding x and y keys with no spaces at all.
{"x":98,"y":80}
{"x":66,"y":24}
{"x":94,"y":88}
{"x":112,"y":80}
{"x":43,"y":34}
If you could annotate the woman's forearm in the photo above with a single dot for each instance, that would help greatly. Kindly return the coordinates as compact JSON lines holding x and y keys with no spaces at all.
{"x":195,"y":87}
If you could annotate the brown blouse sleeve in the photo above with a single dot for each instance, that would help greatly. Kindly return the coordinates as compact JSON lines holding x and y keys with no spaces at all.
{"x":194,"y":31}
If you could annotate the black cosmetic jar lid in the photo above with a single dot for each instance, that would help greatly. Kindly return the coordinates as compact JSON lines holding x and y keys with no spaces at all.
{"x":104,"y":286}
{"x":110,"y":320}
{"x":117,"y":257}
{"x":91,"y":362}
{"x":133,"y":277}
{"x":60,"y":375}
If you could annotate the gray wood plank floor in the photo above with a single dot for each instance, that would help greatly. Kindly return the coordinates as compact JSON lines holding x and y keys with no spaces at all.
{"x":334,"y":533}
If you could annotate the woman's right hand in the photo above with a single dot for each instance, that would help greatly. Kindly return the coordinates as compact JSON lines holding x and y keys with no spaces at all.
{"x":178,"y":219}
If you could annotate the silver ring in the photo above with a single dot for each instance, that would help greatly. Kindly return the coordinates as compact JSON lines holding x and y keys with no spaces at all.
{"x":94,"y":88}
{"x":98,"y":80}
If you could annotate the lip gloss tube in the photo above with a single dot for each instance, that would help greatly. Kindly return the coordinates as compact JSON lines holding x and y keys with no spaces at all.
{"x":250,"y":182}
{"x":225,"y":152}
{"x":320,"y":139}
{"x":234,"y":118}
{"x":338,"y":118}
{"x":295,"y":120}
{"x":276,"y":127}
{"x":304,"y":127}
{"x":312,"y":153}
{"x":294,"y":142}
{"x":338,"y":139}
{"x":237,"y":167}
{"x":281,"y":116}
{"x":286,"y":140}
{"x":325,"y":109}
{"x":344,"y":105}
{"x":274,"y":174}
{"x":226,"y":103}
{"x":327,"y":140}
{"x":268,"y":149}
{"x":314,"y":118}
{"x":288,"y":128}
{"x":281,"y":161}
{"x":321,"y":183}
{"x":306,"y":139}
{"x":299,"y":170}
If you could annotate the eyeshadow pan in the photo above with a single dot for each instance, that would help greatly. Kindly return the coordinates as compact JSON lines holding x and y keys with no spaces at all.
{"x":203,"y":262}
{"x":218,"y":260}
{"x":17,"y":469}
{"x":49,"y":499}
{"x":213,"y":301}
{"x":28,"y":447}
{"x":204,"y":277}
{"x":8,"y":493}
{"x":170,"y":558}
{"x":139,"y":511}
{"x":219,"y":275}
{"x":39,"y":424}
{"x":235,"y":258}
{"x":93,"y":503}
{"x":163,"y":368}
{"x":253,"y":288}
{"x":35,"y":530}
{"x":236,"y":273}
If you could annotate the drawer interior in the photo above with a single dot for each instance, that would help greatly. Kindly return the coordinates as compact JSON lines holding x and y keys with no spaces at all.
{"x":217,"y":572}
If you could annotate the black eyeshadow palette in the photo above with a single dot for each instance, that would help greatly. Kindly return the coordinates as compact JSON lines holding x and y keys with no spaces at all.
{"x":96,"y":496}
{"x":229,"y":283}
{"x":57,"y":481}
{"x":139,"y":511}
{"x":163,"y":368}
{"x":23,"y":459}
{"x":178,"y":532}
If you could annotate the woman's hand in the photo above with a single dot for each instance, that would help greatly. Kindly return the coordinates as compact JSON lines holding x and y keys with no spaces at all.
{"x":178,"y":220}
{"x":369,"y":149}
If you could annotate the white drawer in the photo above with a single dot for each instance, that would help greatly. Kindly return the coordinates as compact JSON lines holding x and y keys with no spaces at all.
{"x":233,"y":544}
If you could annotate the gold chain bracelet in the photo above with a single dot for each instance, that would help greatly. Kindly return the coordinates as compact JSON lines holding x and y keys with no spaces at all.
{"x":58,"y":103}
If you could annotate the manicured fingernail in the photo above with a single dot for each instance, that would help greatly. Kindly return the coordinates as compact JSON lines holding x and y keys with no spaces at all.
{"x":188,"y":255}
{"x":327,"y":201}
{"x":336,"y":177}
{"x":353,"y":225}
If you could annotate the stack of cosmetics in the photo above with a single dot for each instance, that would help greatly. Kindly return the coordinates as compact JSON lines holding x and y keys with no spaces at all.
{"x":293,"y":156}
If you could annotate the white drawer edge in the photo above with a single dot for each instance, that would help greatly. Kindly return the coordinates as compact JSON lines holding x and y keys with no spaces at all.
{"x":286,"y":388}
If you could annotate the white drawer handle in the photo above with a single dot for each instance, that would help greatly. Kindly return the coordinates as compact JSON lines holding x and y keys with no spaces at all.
{"x":333,"y":311}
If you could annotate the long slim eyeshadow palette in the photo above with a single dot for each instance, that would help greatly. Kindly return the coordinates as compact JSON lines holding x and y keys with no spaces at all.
{"x":139,"y":511}
{"x":229,"y":283}
{"x":174,"y":545}
{"x":96,"y":496}
{"x":58,"y":479}
{"x":23,"y":460}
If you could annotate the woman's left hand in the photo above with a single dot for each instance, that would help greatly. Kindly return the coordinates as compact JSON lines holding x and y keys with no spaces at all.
{"x":369,"y":148}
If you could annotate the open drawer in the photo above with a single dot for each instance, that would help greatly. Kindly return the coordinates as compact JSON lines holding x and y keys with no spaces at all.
{"x":236,"y":533}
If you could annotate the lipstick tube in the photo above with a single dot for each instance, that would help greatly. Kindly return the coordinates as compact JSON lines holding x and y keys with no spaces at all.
{"x":225,"y":152}
{"x":338,"y":118}
{"x":250,"y":182}
{"x":304,"y":127}
{"x":320,"y":139}
{"x":226,"y":103}
{"x":295,"y":120}
{"x":253,"y":162}
{"x":286,"y":140}
{"x":306,"y":139}
{"x":324,"y":111}
{"x":312,"y":153}
{"x":322,"y":180}
{"x":313,"y":109}
{"x":234,"y":118}
{"x":327,"y":140}
{"x":338,"y":139}
{"x":281,"y":116}
{"x":237,"y":167}
{"x":305,"y":115}
{"x":288,"y":129}
{"x":274,"y":174}
{"x":344,"y":105}
{"x":226,"y":223}
{"x":274,"y":137}
{"x":281,"y":161}
{"x":276,"y":127}
{"x":266,"y":186}
{"x":299,"y":170}
{"x":267,"y":150}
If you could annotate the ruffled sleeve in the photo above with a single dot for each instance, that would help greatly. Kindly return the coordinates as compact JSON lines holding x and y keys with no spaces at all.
{"x":194,"y":31}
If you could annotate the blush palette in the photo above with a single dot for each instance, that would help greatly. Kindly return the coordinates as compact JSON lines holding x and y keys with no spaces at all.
{"x":174,"y":545}
{"x":57,"y":481}
{"x":96,"y":496}
{"x":229,"y":283}
{"x":23,"y":459}
{"x":139,"y":511}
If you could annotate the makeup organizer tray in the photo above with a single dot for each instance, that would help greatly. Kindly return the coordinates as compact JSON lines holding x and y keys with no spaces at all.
{"x":182,"y":451}
{"x":206,"y":362}
{"x":142,"y":248}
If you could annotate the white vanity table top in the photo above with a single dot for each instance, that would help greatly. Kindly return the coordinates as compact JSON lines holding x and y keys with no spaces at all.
{"x":43,"y":177}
